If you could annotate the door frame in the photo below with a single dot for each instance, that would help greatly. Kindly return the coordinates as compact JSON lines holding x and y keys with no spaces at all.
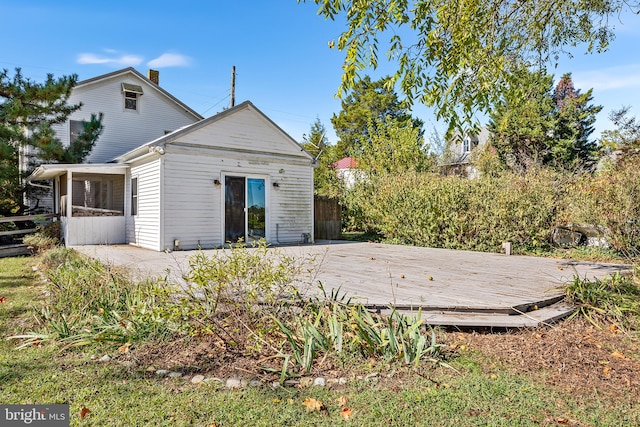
{"x":246,"y":176}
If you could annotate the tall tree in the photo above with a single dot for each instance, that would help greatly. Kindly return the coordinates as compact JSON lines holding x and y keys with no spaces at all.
{"x":522,"y":121}
{"x":326,"y":182}
{"x":535,"y":124}
{"x":456,"y":56}
{"x":368,"y":105}
{"x":395,"y":147}
{"x":28,"y":109}
{"x":575,"y":116}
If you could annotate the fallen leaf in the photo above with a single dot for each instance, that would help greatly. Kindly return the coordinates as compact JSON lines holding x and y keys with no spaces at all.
{"x":124,"y":348}
{"x":346,"y":413}
{"x":313,"y":404}
{"x":84,"y":412}
{"x":342,"y":400}
{"x":3,"y":300}
{"x":606,"y":370}
{"x":618,"y":355}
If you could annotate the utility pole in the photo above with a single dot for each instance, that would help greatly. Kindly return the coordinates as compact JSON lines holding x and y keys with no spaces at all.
{"x":233,"y":87}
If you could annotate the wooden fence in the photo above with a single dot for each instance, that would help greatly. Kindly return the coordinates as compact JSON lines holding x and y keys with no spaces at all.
{"x":327,"y":221}
{"x":19,"y":226}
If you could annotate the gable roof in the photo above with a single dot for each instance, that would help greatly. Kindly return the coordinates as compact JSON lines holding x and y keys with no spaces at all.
{"x":175,"y":135}
{"x":131,"y":70}
{"x":344,"y":163}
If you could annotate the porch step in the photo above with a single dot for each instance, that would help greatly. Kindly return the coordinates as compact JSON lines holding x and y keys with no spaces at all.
{"x":468,"y":318}
{"x":530,"y":319}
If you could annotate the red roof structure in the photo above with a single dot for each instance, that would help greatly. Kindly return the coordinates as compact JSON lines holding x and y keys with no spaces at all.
{"x":345,"y":163}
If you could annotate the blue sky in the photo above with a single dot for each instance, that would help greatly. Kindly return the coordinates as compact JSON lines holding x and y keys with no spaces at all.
{"x":279,"y":48}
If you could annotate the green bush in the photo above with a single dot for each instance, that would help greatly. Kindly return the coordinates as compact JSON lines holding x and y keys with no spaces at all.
{"x":610,"y":199}
{"x":457,"y":213}
{"x":47,"y":237}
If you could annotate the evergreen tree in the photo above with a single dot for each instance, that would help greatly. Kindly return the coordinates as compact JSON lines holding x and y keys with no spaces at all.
{"x":369,"y":104}
{"x":27,"y":111}
{"x":326,"y":182}
{"x":522,"y":122}
{"x":536,"y":125}
{"x":575,"y":115}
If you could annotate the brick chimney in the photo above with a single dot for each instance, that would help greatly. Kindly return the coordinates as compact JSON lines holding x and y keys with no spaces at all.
{"x":154,"y":76}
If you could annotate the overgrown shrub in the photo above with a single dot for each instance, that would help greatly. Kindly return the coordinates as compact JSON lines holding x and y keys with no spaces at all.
{"x":610,"y":199}
{"x":47,"y":237}
{"x":246,"y":283}
{"x":457,"y":213}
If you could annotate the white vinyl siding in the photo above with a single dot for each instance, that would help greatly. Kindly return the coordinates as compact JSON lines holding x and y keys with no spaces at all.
{"x":123,"y":131}
{"x":193,"y":208}
{"x":144,"y":228}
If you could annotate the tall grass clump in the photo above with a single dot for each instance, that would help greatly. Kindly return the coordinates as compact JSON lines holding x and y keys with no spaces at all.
{"x":46,"y":237}
{"x":330,"y":324}
{"x":89,"y":302}
{"x":613,"y":299}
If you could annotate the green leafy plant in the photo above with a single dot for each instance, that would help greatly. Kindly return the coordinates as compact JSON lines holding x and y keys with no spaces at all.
{"x":90,"y":302}
{"x":47,"y":237}
{"x":615,"y":299}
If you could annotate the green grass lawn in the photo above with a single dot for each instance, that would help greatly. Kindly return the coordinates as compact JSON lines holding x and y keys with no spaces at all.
{"x":118,"y":395}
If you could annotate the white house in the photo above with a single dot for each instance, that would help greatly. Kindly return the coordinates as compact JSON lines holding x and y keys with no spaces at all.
{"x":136,"y":109}
{"x":458,"y":158}
{"x":233,"y":176}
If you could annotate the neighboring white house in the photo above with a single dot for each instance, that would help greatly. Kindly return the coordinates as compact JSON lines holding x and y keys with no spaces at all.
{"x":233,"y":176}
{"x":458,"y":159}
{"x":347,"y":171}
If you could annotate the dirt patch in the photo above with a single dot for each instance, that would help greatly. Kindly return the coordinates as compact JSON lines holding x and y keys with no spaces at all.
{"x":573,"y":356}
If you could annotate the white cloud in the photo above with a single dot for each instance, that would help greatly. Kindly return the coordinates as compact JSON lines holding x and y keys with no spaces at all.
{"x":170,"y":60}
{"x":623,"y":77}
{"x":113,"y":58}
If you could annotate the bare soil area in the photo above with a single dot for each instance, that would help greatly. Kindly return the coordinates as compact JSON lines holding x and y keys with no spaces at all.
{"x":573,"y":356}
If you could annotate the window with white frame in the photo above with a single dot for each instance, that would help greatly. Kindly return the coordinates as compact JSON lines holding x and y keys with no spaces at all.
{"x":132,"y":95}
{"x":76,"y":127}
{"x":466,"y":144}
{"x":134,"y":196}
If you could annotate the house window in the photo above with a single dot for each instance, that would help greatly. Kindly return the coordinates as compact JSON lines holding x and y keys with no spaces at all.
{"x":131,"y":94}
{"x":134,"y":196}
{"x":130,"y":101}
{"x":466,"y":144}
{"x":76,"y":127}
